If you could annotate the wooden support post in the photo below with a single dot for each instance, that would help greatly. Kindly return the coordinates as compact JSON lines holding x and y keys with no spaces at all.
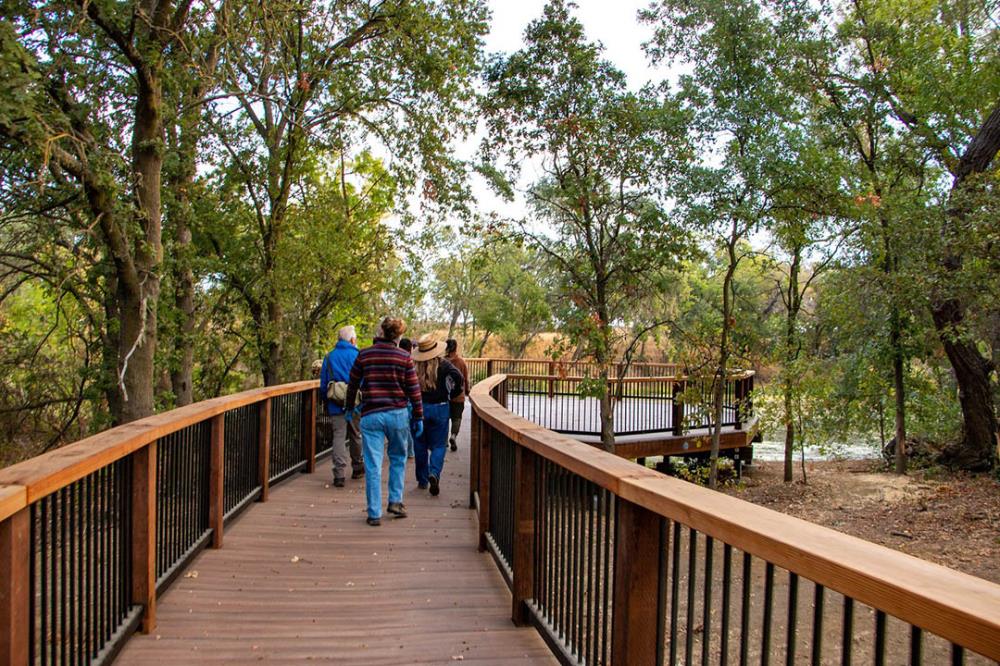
{"x":636,"y":586}
{"x":264,"y":449}
{"x":523,"y":587}
{"x":144,"y":534}
{"x":677,"y":405}
{"x":489,"y":368}
{"x":552,"y":374}
{"x":310,"y":427}
{"x":15,"y":593}
{"x":484,"y":483}
{"x":474,"y":428}
{"x":216,"y":479}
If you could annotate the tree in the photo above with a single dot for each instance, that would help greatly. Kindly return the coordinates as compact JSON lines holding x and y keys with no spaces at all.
{"x":306,"y":78}
{"x":511,"y":302}
{"x":87,"y":81}
{"x":605,"y":153}
{"x":741,"y":115}
{"x":935,"y":66}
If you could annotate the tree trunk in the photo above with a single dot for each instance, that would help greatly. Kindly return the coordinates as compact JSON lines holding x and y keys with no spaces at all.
{"x":722,"y":369}
{"x":972,"y":370}
{"x":972,"y":373}
{"x":607,"y":412}
{"x":140,"y":292}
{"x":899,"y":386}
{"x":181,"y":375}
{"x":794,"y":302}
{"x":453,"y":322}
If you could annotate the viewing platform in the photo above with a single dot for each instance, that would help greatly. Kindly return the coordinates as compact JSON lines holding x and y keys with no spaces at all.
{"x":211,"y":534}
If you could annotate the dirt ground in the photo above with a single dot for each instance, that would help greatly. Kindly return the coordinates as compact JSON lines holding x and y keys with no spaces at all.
{"x":951,"y":519}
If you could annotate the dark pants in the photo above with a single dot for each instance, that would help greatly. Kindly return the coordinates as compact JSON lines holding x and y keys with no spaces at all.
{"x":455,"y":409}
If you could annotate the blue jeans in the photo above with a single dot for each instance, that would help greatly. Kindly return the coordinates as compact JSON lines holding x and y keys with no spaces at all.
{"x":430,"y":446}
{"x":391,"y":425}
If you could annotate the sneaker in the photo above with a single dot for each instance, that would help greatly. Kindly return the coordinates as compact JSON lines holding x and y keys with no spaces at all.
{"x":454,"y":444}
{"x":358,"y":473}
{"x":435,"y":489}
{"x":397,"y":508}
{"x":422,"y":486}
{"x":338,"y":483}
{"x":374,"y":522}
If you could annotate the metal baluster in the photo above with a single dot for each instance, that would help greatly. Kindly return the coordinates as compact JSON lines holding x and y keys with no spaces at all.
{"x":765,"y":649}
{"x":706,"y":622}
{"x":848,"y":634}
{"x":817,"y":637}
{"x":727,"y":577}
{"x":916,"y":646}
{"x":745,"y":610}
{"x":793,"y":616}
{"x":691,"y":575}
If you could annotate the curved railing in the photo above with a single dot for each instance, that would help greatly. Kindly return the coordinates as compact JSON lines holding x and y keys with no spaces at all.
{"x":482,"y":367}
{"x":641,"y":405}
{"x":92,"y":532}
{"x":615,"y":563}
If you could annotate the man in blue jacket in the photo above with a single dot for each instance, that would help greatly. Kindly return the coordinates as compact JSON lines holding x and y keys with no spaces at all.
{"x":346,"y":434}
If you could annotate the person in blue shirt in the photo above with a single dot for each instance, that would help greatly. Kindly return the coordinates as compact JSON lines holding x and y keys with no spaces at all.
{"x":346,"y":435}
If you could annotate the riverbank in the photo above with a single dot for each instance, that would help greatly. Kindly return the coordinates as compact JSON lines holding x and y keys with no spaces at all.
{"x":951,"y":519}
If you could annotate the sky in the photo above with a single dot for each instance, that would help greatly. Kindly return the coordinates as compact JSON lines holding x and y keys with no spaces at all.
{"x":612,"y":23}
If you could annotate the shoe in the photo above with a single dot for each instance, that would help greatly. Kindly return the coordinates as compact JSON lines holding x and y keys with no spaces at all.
{"x":397,"y":508}
{"x":454,"y":444}
{"x":374,"y":522}
{"x":435,"y":489}
{"x":422,"y":486}
{"x":338,"y":483}
{"x":358,"y":473}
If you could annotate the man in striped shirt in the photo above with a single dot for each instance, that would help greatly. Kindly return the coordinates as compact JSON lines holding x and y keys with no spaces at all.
{"x":386,"y":373}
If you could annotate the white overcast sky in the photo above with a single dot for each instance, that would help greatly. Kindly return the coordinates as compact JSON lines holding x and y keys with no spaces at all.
{"x":612,"y":23}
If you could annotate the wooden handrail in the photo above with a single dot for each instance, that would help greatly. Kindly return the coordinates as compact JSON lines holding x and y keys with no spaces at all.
{"x":628,"y":380}
{"x":47,"y":473}
{"x":956,"y":606}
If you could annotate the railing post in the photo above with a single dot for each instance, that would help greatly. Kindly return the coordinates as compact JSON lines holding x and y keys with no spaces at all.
{"x":636,"y":586}
{"x":310,"y":428}
{"x":489,"y":368}
{"x":15,"y":593}
{"x":474,"y":453}
{"x":264,"y":449}
{"x":677,"y":407}
{"x":216,"y":479}
{"x":522,"y":590}
{"x":485,"y":460}
{"x":144,"y":534}
{"x":552,"y":372}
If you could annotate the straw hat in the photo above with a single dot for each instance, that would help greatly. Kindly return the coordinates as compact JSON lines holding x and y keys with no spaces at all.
{"x":428,"y":348}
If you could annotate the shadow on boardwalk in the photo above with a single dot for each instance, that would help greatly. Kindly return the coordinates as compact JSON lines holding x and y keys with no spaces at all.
{"x":302,"y":577}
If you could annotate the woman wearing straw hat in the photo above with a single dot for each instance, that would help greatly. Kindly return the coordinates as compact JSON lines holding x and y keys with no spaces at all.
{"x":440,"y":382}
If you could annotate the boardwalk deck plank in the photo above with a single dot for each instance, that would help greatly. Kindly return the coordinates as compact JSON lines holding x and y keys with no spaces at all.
{"x":414,"y":590}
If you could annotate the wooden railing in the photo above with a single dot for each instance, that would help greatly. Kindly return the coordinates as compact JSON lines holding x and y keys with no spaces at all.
{"x":615,"y":563}
{"x":641,"y":405}
{"x":481,"y":368}
{"x":91,"y":533}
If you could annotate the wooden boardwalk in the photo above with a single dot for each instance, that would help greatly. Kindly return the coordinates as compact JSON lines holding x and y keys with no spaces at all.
{"x":303,"y":578}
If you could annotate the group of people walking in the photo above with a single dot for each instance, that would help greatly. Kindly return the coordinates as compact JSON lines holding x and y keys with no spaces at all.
{"x":397,"y":397}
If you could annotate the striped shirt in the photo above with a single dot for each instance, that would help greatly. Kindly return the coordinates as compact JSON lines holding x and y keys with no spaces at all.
{"x":389,"y":380}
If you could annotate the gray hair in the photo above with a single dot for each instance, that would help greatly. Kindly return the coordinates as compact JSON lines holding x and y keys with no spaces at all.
{"x":347,"y":333}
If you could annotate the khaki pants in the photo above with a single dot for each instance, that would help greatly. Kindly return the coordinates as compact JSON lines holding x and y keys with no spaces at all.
{"x":346,"y":441}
